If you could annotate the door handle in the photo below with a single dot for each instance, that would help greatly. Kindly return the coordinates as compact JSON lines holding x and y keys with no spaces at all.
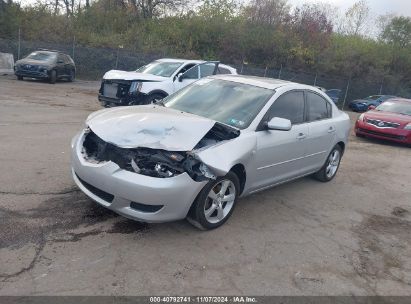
{"x":331,"y":129}
{"x":301,"y":136}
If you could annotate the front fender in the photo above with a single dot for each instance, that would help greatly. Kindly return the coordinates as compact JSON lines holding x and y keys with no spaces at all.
{"x":222,"y":157}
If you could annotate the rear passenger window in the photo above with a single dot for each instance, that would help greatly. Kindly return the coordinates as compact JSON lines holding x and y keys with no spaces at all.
{"x":289,"y":106}
{"x":318,"y":107}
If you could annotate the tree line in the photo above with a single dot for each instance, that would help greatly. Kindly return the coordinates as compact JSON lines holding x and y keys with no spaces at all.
{"x":317,"y":38}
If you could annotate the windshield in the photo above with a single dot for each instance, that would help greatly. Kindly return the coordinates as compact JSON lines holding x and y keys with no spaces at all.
{"x":395,"y":107}
{"x":42,"y":56}
{"x":231,"y":103}
{"x":164,"y":69}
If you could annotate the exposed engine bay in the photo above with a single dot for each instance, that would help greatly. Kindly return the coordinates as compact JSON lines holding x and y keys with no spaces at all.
{"x":156,"y":162}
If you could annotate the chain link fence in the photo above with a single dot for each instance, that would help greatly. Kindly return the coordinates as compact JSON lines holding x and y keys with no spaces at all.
{"x":92,"y":63}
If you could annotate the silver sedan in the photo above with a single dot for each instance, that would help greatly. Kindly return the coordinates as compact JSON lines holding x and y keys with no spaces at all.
{"x":193,"y":154}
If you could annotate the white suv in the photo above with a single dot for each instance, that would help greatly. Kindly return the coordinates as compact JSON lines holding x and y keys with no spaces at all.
{"x":155,"y":80}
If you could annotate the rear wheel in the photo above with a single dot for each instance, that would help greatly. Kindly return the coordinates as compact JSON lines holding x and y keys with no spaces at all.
{"x":215,"y":203}
{"x":53,"y":76}
{"x":330,"y":168}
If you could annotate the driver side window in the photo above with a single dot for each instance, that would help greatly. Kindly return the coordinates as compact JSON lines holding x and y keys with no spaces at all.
{"x":186,"y":68}
{"x":289,"y":106}
{"x":192,"y":73}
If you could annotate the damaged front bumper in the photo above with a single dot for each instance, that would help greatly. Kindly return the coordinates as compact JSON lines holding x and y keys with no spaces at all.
{"x":135,"y":196}
{"x":109,"y":102}
{"x":114,"y":93}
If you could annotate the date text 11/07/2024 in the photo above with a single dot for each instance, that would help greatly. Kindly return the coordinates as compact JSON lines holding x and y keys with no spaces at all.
{"x":203,"y":299}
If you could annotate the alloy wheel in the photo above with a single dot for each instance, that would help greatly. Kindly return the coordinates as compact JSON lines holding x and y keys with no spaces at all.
{"x":332,"y":163}
{"x":219,"y":201}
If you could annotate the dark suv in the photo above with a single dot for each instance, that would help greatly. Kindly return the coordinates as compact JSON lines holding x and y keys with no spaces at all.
{"x":46,"y":64}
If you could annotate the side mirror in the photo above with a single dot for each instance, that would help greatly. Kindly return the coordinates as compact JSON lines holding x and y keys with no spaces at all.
{"x":180,"y":77}
{"x":371,"y":107}
{"x":277,"y":123}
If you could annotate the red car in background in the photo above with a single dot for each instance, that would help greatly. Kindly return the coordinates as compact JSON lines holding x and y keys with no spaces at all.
{"x":391,"y":120}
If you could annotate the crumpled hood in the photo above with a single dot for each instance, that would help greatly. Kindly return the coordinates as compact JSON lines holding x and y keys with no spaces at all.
{"x":124,"y":75}
{"x":149,"y":126}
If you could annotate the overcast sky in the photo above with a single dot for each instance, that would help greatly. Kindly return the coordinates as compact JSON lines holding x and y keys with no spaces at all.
{"x":378,"y":7}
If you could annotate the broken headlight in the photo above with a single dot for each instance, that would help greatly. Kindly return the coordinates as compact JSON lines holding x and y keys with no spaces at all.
{"x":206,"y":171}
{"x":135,"y":87}
{"x":145,"y":161}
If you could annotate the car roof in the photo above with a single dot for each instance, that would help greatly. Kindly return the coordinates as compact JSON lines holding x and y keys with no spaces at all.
{"x":44,"y":51}
{"x":50,"y":52}
{"x":263,"y":82}
{"x":194,"y":61}
{"x":179,"y":60}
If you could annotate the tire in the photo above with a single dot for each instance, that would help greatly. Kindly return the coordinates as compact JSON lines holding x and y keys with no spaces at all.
{"x":53,"y":76}
{"x":19,"y":77}
{"x":72,"y":76}
{"x":207,"y":213}
{"x":153,"y":97}
{"x":329,"y":170}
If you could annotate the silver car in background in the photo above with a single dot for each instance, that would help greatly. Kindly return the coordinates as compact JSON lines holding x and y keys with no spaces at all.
{"x":192,"y":155}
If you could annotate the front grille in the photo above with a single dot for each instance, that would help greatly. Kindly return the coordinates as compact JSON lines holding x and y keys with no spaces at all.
{"x":382,"y":124}
{"x":145,"y":208}
{"x":97,"y":192}
{"x":29,"y":67}
{"x":110,"y":90}
{"x":393,"y":136}
{"x":115,"y":88}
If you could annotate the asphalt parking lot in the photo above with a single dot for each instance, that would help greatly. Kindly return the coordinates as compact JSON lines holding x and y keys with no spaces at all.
{"x":351,"y":236}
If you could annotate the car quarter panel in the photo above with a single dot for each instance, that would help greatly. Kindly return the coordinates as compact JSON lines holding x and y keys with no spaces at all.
{"x":321,"y":137}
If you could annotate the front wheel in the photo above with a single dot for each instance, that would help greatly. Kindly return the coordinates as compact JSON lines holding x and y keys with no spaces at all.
{"x":72,"y":76}
{"x":53,"y":76}
{"x":330,"y":168}
{"x":153,"y":98}
{"x":215,"y":203}
{"x":19,"y":77}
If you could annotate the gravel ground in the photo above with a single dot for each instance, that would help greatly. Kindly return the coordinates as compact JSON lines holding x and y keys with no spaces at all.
{"x":348,"y":237}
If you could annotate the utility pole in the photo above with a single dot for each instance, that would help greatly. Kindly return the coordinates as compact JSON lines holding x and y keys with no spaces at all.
{"x":18,"y":47}
{"x":279,"y":73}
{"x":74,"y":43}
{"x":346,"y":93}
{"x":382,"y":83}
{"x":118,"y":50}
